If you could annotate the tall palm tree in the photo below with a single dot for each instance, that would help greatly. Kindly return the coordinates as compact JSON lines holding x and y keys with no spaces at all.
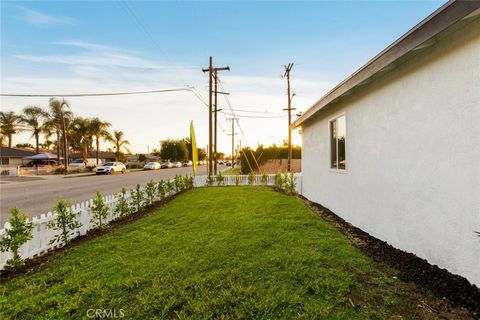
{"x":58,"y":114}
{"x":119,"y":144}
{"x":99,"y":130}
{"x":33,"y":117}
{"x":81,"y":136}
{"x":9,"y":125}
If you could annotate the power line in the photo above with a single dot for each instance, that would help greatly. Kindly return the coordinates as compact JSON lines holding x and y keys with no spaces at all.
{"x":254,"y":117}
{"x":95,"y":94}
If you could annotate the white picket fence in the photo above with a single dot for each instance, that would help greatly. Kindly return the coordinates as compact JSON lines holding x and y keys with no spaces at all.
{"x":42,"y":235}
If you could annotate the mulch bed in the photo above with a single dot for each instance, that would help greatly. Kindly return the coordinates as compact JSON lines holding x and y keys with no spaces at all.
{"x":32,"y":264}
{"x":443,"y":284}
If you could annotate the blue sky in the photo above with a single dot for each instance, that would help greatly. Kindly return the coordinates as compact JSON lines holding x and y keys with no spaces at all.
{"x":92,"y":46}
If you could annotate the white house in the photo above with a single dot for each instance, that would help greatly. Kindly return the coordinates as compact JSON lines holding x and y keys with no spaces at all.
{"x":394,"y":149}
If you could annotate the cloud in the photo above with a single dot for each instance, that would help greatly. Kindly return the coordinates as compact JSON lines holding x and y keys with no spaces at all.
{"x":37,"y":18}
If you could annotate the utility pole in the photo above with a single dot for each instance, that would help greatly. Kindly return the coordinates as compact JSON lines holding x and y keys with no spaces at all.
{"x":288,"y":68}
{"x":65,"y":144}
{"x":212,"y":151}
{"x":233,"y":139}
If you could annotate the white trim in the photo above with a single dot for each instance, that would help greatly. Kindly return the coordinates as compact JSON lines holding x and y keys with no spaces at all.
{"x":329,"y":123}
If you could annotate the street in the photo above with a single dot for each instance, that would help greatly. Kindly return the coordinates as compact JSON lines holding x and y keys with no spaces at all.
{"x":38,"y":196}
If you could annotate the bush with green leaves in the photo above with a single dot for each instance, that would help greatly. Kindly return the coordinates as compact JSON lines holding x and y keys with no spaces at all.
{"x":189,"y":181}
{"x":150,"y":192}
{"x":19,"y":232}
{"x":264,"y":178}
{"x":99,"y":211}
{"x":122,"y":207}
{"x":161,"y":189}
{"x":220,"y":179}
{"x":279,"y":180}
{"x":138,"y":199}
{"x":237,"y":180}
{"x":170,"y":187}
{"x":65,"y":222}
{"x":251,"y":178}
{"x":210,"y":180}
{"x":290,"y":183}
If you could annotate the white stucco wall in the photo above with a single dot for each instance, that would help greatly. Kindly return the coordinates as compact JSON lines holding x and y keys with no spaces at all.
{"x":413,"y":156}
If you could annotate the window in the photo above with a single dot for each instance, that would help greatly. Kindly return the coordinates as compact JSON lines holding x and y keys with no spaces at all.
{"x":338,"y":136}
{"x":4,"y":161}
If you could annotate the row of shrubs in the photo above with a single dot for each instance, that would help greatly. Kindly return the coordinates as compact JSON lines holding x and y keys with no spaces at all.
{"x":285,"y":182}
{"x":66,"y":220}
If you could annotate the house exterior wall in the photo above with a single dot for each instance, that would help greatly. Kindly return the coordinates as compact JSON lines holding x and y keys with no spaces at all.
{"x":13,"y":162}
{"x":413,"y":155}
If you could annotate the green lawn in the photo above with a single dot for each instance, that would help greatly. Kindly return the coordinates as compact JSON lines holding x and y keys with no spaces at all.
{"x":211,"y":253}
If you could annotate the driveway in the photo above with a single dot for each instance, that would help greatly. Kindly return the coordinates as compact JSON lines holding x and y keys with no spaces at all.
{"x":35,"y":197}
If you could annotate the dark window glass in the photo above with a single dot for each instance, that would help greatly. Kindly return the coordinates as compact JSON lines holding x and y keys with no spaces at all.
{"x":338,"y":136}
{"x":333,"y":144}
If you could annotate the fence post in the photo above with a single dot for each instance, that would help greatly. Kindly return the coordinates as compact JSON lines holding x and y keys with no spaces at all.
{"x":84,"y":218}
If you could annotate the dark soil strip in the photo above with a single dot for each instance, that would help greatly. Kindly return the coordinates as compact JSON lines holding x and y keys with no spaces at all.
{"x":443,"y":284}
{"x":32,"y":264}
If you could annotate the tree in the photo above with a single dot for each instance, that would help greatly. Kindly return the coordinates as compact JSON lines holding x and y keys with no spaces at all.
{"x":99,"y":130}
{"x":19,"y":232}
{"x":81,"y":136}
{"x":65,"y":221}
{"x":58,"y":116}
{"x":174,"y":150}
{"x":9,"y":125}
{"x":202,"y":154}
{"x":24,"y":145}
{"x":119,"y":144}
{"x":33,"y":118}
{"x":100,"y":211}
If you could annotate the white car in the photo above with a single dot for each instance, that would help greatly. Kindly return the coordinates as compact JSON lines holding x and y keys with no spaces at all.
{"x":79,"y":163}
{"x":177,"y":164}
{"x":111,"y":167}
{"x":151,"y":166}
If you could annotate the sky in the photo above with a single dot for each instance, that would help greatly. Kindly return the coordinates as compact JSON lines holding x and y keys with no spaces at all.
{"x":62,"y":47}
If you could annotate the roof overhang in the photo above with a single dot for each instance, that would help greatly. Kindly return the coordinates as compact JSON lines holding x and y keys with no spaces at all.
{"x":418,"y":37}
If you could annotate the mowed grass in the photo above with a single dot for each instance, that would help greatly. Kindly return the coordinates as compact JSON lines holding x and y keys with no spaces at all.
{"x":211,"y":253}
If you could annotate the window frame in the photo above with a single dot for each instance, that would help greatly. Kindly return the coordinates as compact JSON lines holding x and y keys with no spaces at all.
{"x":329,"y":128}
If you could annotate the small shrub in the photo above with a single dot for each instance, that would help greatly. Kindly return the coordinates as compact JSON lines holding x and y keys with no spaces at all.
{"x":251,"y":178}
{"x":99,"y":211}
{"x":161,"y":189}
{"x":290,"y":183}
{"x":150,"y":191}
{"x":264,"y":178}
{"x":220,"y":179}
{"x":210,"y":180}
{"x":170,"y":187}
{"x":237,"y":180}
{"x":138,"y":199}
{"x":122,"y":208}
{"x":59,"y":171}
{"x":189,"y":181}
{"x":19,"y":232}
{"x":65,"y":221}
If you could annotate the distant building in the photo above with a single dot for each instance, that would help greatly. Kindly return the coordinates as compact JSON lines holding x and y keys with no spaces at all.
{"x":12,"y":157}
{"x":394,"y":149}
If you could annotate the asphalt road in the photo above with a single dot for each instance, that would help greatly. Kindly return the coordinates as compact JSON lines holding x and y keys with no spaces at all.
{"x":35,"y":197}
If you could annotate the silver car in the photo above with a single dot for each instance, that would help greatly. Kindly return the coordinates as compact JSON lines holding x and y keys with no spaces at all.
{"x":111,"y":168}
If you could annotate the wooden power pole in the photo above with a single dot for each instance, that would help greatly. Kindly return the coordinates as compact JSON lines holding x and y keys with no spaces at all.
{"x":212,"y":141}
{"x":288,"y":68}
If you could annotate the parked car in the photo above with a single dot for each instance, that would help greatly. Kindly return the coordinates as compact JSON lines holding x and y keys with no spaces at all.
{"x":91,"y":163}
{"x":221,"y":162}
{"x":111,"y":167}
{"x":166,"y":165}
{"x":228,"y":163}
{"x":177,"y":164}
{"x":151,"y":166}
{"x":187,"y":163}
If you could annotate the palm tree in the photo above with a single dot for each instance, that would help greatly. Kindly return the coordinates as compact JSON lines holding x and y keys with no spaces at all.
{"x":58,"y":114}
{"x":99,"y":130}
{"x":32,"y":117}
{"x":81,"y":136}
{"x":119,"y":144}
{"x":9,"y":125}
